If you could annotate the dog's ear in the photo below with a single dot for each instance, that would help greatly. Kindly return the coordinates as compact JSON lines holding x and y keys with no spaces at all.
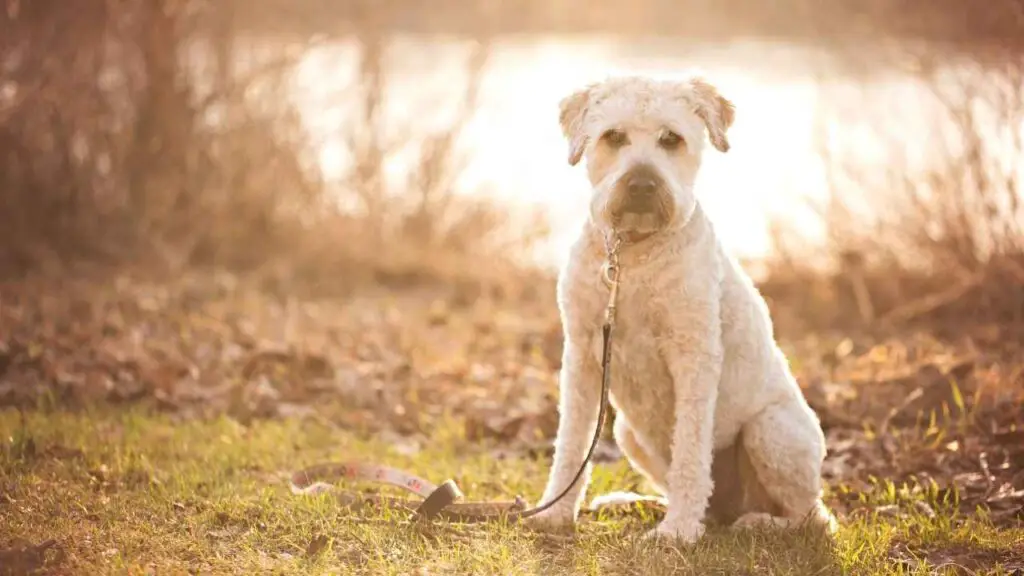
{"x":572,"y":110}
{"x":715,"y":110}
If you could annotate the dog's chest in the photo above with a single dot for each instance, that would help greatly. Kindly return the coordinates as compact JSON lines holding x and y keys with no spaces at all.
{"x":640,"y":379}
{"x":639,"y":375}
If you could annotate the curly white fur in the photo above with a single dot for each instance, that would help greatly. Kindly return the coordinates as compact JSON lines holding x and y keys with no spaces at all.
{"x":695,"y":366}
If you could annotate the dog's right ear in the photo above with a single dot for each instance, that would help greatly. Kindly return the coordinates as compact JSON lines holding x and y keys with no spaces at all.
{"x":572,"y":111}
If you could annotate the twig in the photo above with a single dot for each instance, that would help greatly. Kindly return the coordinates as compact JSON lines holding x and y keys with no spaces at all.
{"x":910,"y":399}
{"x":931,"y":302}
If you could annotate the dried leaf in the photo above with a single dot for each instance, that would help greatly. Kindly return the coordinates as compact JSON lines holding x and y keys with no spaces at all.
{"x":317,"y":545}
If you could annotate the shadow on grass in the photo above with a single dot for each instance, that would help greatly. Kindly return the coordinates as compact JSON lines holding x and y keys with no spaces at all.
{"x":620,"y":548}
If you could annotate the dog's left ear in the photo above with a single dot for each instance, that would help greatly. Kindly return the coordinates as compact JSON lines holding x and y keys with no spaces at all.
{"x":572,"y":110}
{"x":715,"y":110}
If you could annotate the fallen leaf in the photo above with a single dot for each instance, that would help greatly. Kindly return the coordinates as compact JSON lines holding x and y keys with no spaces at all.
{"x":28,"y":559}
{"x":317,"y":545}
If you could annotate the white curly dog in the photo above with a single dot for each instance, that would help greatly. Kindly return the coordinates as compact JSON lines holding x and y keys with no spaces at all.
{"x":697,"y":378}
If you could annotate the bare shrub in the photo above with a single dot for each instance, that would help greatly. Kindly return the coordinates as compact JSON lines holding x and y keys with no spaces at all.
{"x":149,"y":131}
{"x":56,"y":152}
{"x":107,"y":144}
{"x":924,"y":214}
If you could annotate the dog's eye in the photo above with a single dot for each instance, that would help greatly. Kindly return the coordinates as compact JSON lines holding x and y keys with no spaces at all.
{"x":669,"y":140}
{"x":615,"y":138}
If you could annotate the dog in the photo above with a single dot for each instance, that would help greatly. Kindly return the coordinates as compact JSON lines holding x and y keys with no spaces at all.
{"x":702,"y":393}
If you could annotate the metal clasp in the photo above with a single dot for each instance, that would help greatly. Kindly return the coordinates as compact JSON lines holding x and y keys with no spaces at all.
{"x":610,"y":270}
{"x":610,"y":275}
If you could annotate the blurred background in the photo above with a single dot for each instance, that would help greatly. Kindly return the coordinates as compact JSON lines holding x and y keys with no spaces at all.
{"x":355,"y":209}
{"x":879,"y":140}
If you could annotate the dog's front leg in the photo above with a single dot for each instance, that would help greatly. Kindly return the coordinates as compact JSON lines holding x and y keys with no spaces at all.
{"x":690,"y":342}
{"x":579,"y":398}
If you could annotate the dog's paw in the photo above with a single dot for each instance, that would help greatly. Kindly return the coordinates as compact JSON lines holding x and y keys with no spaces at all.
{"x":758,"y":520}
{"x":552,"y":519}
{"x":677,"y":532}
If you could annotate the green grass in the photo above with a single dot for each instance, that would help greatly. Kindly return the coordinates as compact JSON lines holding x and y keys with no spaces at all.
{"x":132,"y":493}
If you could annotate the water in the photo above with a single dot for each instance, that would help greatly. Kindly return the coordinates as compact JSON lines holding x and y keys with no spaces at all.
{"x":514,"y":148}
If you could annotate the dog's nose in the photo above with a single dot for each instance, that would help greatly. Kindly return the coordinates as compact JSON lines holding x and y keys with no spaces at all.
{"x":641,"y":186}
{"x":642,"y":183}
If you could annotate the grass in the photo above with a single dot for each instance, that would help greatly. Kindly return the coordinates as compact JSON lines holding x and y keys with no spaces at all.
{"x":132,"y":492}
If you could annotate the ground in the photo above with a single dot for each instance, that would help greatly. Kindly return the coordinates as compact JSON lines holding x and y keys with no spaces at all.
{"x":149,"y":426}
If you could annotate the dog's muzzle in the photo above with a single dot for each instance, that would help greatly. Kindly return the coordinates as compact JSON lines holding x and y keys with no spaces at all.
{"x":640,"y":187}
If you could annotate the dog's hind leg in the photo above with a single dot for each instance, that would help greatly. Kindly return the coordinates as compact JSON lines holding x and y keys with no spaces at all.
{"x":736,"y":491}
{"x":786,"y":449}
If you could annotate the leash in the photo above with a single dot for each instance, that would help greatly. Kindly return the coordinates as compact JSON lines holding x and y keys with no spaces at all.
{"x":443,"y":501}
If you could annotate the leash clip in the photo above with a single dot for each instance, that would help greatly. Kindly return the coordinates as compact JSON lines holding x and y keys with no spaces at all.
{"x":610,"y":275}
{"x":610,"y":270}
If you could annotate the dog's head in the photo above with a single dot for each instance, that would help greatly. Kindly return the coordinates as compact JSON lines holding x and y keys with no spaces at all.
{"x":642,"y":140}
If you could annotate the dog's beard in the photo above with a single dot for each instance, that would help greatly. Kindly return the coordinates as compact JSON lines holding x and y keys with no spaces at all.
{"x":613,"y":210}
{"x":640,"y":222}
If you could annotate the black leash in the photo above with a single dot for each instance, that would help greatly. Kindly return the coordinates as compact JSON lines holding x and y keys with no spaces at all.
{"x":606,"y":353}
{"x":610,"y":276}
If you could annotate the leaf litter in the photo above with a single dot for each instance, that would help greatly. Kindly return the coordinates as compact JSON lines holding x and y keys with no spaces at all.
{"x":906,"y":407}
